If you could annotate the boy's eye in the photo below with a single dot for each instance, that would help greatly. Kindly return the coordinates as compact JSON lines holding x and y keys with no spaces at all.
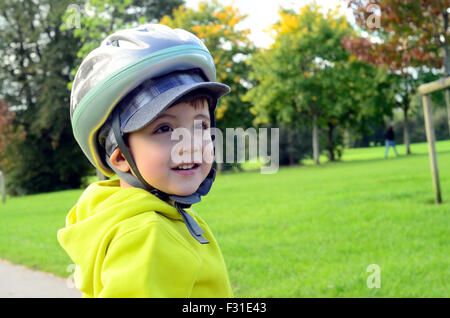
{"x":163,"y":129}
{"x":204,"y":125}
{"x":166,"y":128}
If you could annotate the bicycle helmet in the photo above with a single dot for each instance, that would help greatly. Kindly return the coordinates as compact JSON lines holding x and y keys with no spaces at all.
{"x":169,"y":63}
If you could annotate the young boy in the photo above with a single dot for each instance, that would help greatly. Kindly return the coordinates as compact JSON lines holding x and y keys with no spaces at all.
{"x":137,"y":236}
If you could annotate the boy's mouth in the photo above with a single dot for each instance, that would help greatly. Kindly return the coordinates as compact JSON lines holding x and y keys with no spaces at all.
{"x":186,"y":168}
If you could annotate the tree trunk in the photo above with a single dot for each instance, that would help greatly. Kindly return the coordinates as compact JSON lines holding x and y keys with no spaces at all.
{"x":315,"y":141}
{"x":219,"y":167}
{"x":405,"y":127}
{"x":447,"y":67}
{"x":3,"y":187}
{"x":291,"y":159}
{"x":330,"y":145}
{"x":291,"y":147}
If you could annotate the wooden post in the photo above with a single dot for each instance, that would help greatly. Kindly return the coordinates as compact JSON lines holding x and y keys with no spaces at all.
{"x":447,"y":102}
{"x":434,"y":86}
{"x":3,"y":187}
{"x":431,"y":146}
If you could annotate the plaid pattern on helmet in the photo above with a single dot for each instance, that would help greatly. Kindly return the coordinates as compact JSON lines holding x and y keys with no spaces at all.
{"x":150,"y":89}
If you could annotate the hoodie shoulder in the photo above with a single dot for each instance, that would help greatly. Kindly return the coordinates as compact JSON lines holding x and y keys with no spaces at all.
{"x":92,"y":196}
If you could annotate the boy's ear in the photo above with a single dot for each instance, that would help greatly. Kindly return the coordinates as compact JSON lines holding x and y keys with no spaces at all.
{"x":118,"y":160}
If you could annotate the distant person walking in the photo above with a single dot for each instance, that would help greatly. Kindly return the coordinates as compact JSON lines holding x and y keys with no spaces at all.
{"x":390,"y":141}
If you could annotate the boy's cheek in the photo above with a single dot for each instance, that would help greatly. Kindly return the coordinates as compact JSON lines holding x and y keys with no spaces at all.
{"x":208,"y":152}
{"x":156,"y":157}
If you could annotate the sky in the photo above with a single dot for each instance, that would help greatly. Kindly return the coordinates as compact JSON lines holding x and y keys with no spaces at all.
{"x":262,"y":13}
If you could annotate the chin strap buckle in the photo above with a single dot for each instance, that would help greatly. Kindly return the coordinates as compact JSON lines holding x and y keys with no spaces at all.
{"x":195,"y":230}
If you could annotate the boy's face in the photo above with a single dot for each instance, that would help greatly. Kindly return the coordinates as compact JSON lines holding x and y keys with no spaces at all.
{"x":157,"y":155}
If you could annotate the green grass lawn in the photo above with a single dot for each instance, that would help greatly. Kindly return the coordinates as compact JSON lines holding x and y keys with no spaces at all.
{"x":307,"y":231}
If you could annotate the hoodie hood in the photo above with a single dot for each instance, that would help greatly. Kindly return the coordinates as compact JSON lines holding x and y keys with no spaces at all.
{"x":93,"y":221}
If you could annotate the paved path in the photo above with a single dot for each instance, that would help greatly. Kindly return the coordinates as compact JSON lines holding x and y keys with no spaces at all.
{"x":17,"y":281}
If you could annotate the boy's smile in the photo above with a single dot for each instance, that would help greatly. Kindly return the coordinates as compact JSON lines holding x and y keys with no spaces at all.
{"x":173,"y":165}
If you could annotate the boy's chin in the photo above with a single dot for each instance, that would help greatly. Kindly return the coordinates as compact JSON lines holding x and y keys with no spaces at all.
{"x":182,"y":192}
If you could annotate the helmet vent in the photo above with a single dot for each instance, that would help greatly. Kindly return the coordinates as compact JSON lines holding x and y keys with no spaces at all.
{"x":126,"y":42}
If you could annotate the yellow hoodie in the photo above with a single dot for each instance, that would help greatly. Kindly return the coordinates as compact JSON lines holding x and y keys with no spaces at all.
{"x":126,"y":242}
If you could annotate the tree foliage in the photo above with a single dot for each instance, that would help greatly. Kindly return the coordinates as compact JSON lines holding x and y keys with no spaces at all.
{"x":411,"y":34}
{"x":9,"y":134}
{"x":307,"y":77}
{"x":36,"y":57}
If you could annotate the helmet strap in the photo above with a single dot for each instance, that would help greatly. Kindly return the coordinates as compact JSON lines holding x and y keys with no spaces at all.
{"x":138,"y":182}
{"x":195,"y":230}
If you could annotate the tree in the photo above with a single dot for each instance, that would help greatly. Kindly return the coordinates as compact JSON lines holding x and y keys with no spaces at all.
{"x":215,"y":25}
{"x":307,"y":78}
{"x":8,"y":135}
{"x":34,"y":67}
{"x":411,"y":34}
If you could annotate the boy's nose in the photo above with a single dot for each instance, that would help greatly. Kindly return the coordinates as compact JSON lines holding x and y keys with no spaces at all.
{"x":191,"y":148}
